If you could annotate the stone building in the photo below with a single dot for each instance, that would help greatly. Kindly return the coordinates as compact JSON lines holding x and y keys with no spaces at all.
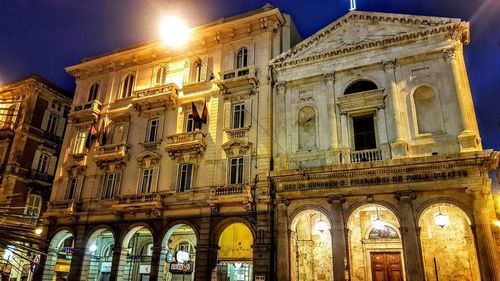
{"x":163,"y":171}
{"x":380,"y":173}
{"x":33,"y":114}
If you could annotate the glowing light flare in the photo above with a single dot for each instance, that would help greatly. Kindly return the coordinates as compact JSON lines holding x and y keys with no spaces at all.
{"x":497,"y":223}
{"x":38,"y":231}
{"x":93,"y":248}
{"x":321,"y":226}
{"x":441,"y":220}
{"x":174,"y":32}
{"x":378,"y":224}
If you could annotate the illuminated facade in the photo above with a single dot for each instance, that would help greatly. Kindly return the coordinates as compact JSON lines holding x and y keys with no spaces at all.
{"x":33,"y":115}
{"x":380,"y":174}
{"x":161,"y":194}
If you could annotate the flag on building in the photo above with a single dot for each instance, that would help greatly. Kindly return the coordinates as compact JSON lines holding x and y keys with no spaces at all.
{"x":204,"y":113}
{"x":92,"y":136}
{"x":103,"y":134}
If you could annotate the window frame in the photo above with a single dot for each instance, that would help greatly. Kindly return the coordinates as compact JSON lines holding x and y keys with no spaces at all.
{"x":353,"y":133}
{"x":238,"y":122}
{"x":109,"y":185}
{"x":43,"y":163}
{"x":71,"y":188}
{"x":31,"y":206}
{"x":242,"y":58}
{"x":52,"y":123}
{"x":93,"y":92}
{"x":197,"y":68}
{"x":127,"y":86}
{"x":161,"y":75}
{"x":149,"y":137}
{"x":81,"y":138}
{"x":185,"y":176}
{"x":239,"y":164}
{"x":150,"y":178}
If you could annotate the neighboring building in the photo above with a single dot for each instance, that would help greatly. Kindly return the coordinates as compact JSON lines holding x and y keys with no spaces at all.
{"x":380,"y":173}
{"x":33,"y":115}
{"x":158,"y":187}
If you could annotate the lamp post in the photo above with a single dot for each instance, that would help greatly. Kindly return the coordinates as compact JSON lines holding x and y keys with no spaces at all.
{"x":441,"y":219}
{"x":378,"y":224}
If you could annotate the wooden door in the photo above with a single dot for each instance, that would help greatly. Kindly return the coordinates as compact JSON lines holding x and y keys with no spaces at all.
{"x":386,"y":267}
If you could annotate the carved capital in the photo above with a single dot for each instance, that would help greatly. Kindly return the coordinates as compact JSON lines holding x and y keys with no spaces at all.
{"x":336,"y":199}
{"x":330,"y":77}
{"x":390,"y":65}
{"x":449,"y":54}
{"x":282,"y":201}
{"x":407,"y":194}
{"x":281,"y":87}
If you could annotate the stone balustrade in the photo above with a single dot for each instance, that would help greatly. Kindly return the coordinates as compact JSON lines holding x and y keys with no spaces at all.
{"x":369,"y":155}
{"x":237,"y":132}
{"x":111,"y":152}
{"x":86,"y":111}
{"x":154,"y":97}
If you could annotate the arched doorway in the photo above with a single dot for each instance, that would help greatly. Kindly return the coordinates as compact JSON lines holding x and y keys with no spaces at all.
{"x":311,"y":255}
{"x":178,"y":254}
{"x":375,"y":247}
{"x":235,"y":256}
{"x":447,"y":241}
{"x":58,"y":262}
{"x":137,"y":250}
{"x":98,"y":256}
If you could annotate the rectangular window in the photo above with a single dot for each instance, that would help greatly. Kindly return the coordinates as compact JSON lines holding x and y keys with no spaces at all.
{"x":364,"y":133}
{"x":185,"y":177}
{"x":52,"y":124}
{"x":118,"y":133}
{"x":70,"y":193}
{"x":238,"y":116}
{"x":190,"y":123}
{"x":153,"y":126}
{"x":147,"y":180}
{"x":43,"y":163}
{"x":81,"y":137}
{"x":110,"y":184}
{"x":236,"y":170}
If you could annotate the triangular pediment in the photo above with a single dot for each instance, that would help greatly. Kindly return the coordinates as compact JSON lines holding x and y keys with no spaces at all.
{"x":357,"y":30}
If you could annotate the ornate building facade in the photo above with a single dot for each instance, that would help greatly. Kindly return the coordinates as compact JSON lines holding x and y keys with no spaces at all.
{"x":163,"y":171}
{"x":380,"y":173}
{"x":33,"y":114}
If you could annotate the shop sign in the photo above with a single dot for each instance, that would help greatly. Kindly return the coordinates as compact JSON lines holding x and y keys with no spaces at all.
{"x":145,"y":269}
{"x":106,"y":267}
{"x":182,"y":256}
{"x":181,"y":268}
{"x":65,"y":253}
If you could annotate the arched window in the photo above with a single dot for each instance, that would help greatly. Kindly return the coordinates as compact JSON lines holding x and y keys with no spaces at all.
{"x":161,"y":75}
{"x":307,"y":128}
{"x":242,"y":58}
{"x":43,"y":163}
{"x":93,"y":92}
{"x":428,"y":111}
{"x":127,"y":86}
{"x":360,"y":86}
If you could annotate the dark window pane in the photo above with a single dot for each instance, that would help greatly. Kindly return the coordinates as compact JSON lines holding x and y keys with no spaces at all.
{"x":364,"y":133}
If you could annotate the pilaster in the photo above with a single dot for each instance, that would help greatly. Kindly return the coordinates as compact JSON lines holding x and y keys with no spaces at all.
{"x":282,"y":241}
{"x":398,"y":144}
{"x":339,"y":251}
{"x":78,"y":254}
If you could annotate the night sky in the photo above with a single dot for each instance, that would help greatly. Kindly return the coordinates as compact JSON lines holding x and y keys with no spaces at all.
{"x":46,"y":36}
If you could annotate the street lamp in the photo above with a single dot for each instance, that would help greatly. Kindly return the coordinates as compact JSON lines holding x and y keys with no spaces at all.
{"x":92,"y":248}
{"x":441,"y":219}
{"x":38,"y":230}
{"x":174,"y":32}
{"x":321,"y":225}
{"x":378,"y":224}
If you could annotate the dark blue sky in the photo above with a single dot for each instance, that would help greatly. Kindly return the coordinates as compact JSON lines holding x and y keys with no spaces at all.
{"x":45,"y":36}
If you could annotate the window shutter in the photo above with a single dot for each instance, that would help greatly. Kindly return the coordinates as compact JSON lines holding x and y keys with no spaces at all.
{"x":227,"y":114}
{"x":118,"y":180}
{"x":45,"y":120}
{"x":100,"y":184}
{"x":248,"y":112}
{"x":60,"y":127}
{"x":247,"y":167}
{"x":176,"y":178}
{"x":52,"y":165}
{"x":181,"y":127}
{"x":187,"y":73}
{"x":224,"y":163}
{"x":204,"y":66}
{"x":156,"y":178}
{"x":36,"y":159}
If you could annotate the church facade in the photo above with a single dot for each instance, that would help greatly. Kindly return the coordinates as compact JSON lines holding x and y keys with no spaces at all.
{"x":352,"y":155}
{"x":380,"y":173}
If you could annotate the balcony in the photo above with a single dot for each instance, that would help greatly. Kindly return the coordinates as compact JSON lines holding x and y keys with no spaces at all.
{"x":6,"y":129}
{"x":62,"y":208}
{"x":151,"y":146}
{"x":231,"y":194}
{"x":86,"y":111}
{"x":155,"y":97}
{"x":146,"y":202}
{"x":186,"y":144}
{"x":369,"y":155}
{"x":237,"y":133}
{"x":111,"y":153}
{"x":240,"y":77}
{"x":41,"y":176}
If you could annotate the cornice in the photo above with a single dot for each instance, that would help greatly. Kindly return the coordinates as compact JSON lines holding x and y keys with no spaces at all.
{"x":450,"y":30}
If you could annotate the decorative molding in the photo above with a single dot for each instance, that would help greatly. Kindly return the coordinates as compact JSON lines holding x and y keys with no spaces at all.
{"x":389,"y":65}
{"x":449,"y":54}
{"x":281,"y":87}
{"x":406,"y":194}
{"x":236,"y":147}
{"x":330,"y":77}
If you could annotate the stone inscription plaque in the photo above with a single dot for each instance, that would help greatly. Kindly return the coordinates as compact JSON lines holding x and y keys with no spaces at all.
{"x":378,"y":180}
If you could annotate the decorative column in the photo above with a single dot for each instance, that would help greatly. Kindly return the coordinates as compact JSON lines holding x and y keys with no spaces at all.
{"x":398,"y":144}
{"x":115,"y":263}
{"x":206,"y":253}
{"x":155,"y":262}
{"x":282,"y":241}
{"x":281,"y":162}
{"x":78,"y":254}
{"x":486,"y":244}
{"x":467,"y":138}
{"x":339,"y":243}
{"x":334,"y":153}
{"x":411,"y":246}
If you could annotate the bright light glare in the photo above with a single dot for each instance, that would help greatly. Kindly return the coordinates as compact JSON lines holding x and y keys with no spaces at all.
{"x":321,"y":226}
{"x":38,"y":231}
{"x":497,"y":223}
{"x":441,"y":220}
{"x":173,"y":31}
{"x":378,"y":224}
{"x":92,"y":248}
